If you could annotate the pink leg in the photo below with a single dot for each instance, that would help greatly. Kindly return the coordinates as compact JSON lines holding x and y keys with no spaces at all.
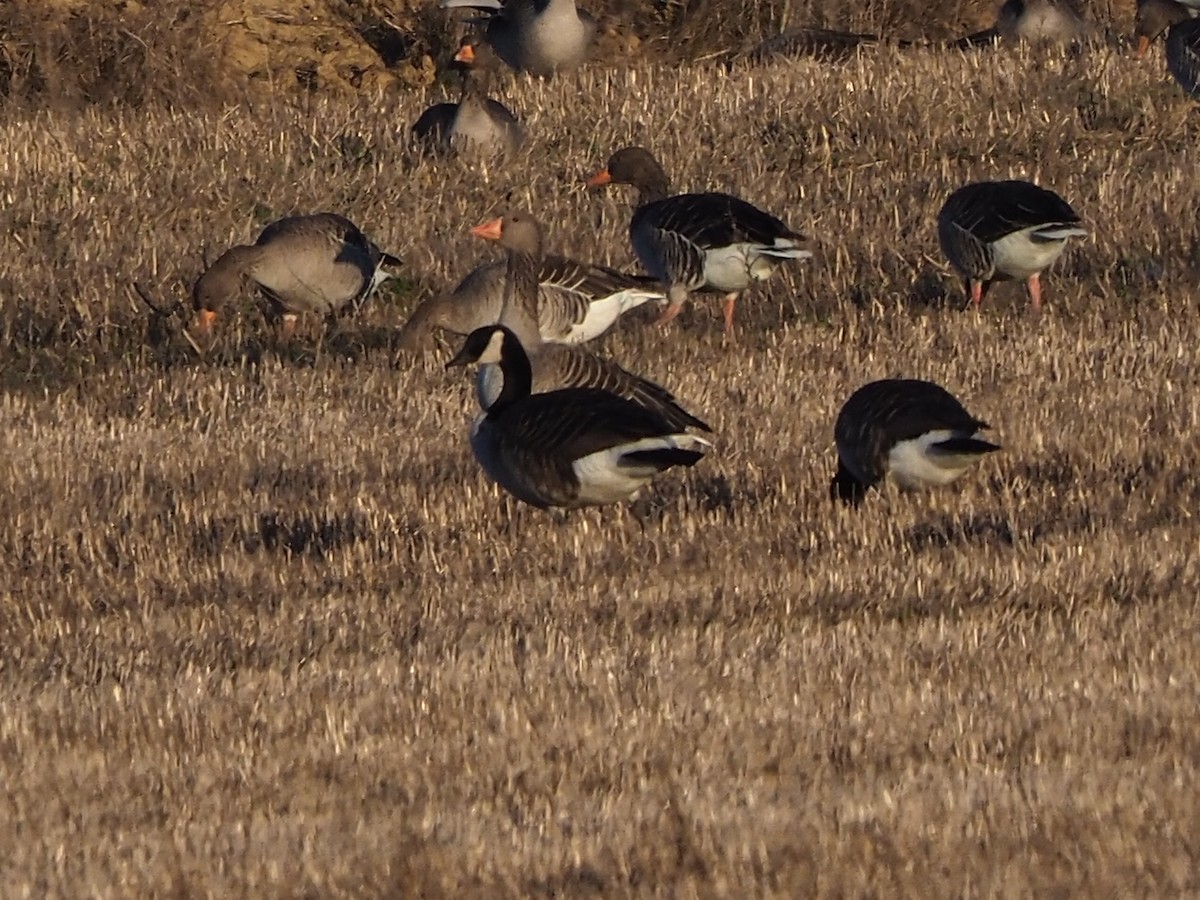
{"x":287,"y":326}
{"x":976,"y":292}
{"x":1035,"y":290}
{"x":671,"y":311}
{"x":730,"y":302}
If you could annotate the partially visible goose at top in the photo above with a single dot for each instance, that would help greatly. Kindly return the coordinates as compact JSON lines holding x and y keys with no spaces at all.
{"x":557,"y":365}
{"x":914,"y":431}
{"x":303,"y":264}
{"x":1178,"y":20}
{"x":540,"y":37}
{"x":476,"y":122}
{"x":816,"y":43}
{"x":571,"y":447}
{"x":694,"y":241}
{"x":577,"y":301}
{"x":1035,"y":21}
{"x":997,"y":230}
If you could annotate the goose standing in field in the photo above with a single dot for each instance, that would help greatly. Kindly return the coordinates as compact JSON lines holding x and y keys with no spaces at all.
{"x":571,"y":447}
{"x":1179,"y":20}
{"x":540,"y":37}
{"x":1035,"y":21}
{"x":476,"y":122}
{"x":557,"y":366}
{"x":695,"y":241}
{"x":577,"y":301}
{"x":914,"y":431}
{"x":314,"y":263}
{"x":998,"y":230}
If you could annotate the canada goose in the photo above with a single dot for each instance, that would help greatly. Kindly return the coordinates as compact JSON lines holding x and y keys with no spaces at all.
{"x":570,"y":447}
{"x":914,"y":431}
{"x":540,"y":37}
{"x":694,"y":241}
{"x":557,"y":365}
{"x":577,"y":301}
{"x":315,"y":263}
{"x":476,"y":122}
{"x":997,"y":230}
{"x":1178,"y":20}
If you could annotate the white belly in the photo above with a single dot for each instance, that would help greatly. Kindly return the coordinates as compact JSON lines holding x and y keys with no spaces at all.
{"x":915,"y":464}
{"x":1019,"y":255}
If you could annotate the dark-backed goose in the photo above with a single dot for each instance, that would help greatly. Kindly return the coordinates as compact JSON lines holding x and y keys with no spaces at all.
{"x":571,"y":447}
{"x":476,"y":122}
{"x":997,"y":230}
{"x":557,"y":365}
{"x":540,"y":37}
{"x":914,"y":431}
{"x":1178,"y":20}
{"x":577,"y":301}
{"x":319,"y":263}
{"x":695,"y":241}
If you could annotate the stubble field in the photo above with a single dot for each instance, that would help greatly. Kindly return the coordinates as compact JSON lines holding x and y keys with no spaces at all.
{"x":267,"y":631}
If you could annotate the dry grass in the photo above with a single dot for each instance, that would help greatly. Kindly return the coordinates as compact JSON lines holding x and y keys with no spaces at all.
{"x":268,"y":632}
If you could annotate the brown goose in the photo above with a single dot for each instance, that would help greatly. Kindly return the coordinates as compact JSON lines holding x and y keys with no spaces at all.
{"x":476,"y":122}
{"x":569,"y":447}
{"x":577,"y":301}
{"x":914,"y":431}
{"x":1179,"y":21}
{"x":540,"y":37}
{"x":557,"y":365}
{"x":316,"y":263}
{"x":997,"y":230}
{"x":698,"y":241}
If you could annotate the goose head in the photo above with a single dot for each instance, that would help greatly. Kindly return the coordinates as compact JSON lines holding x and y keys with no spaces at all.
{"x":490,"y":345}
{"x":516,"y":231}
{"x":635,"y":166}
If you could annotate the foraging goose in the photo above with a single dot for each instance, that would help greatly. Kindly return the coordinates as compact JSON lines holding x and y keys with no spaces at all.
{"x":476,"y":121}
{"x":557,"y":365}
{"x":997,"y":230}
{"x":577,"y":301}
{"x":816,"y":43}
{"x":914,"y":431}
{"x":695,"y":241}
{"x":1045,"y":21}
{"x":540,"y":37}
{"x":1178,"y":20}
{"x":316,"y":263}
{"x":571,"y":447}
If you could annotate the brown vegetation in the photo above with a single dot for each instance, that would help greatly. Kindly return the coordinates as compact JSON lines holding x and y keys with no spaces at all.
{"x":268,"y":631}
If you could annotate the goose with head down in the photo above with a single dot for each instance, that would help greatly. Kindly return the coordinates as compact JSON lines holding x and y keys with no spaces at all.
{"x":569,"y":447}
{"x":557,"y":366}
{"x":319,"y":263}
{"x":698,"y":241}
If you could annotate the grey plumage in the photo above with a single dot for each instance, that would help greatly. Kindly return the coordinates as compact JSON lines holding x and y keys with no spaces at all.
{"x":570,"y":447}
{"x":996,"y":230}
{"x":914,"y":430}
{"x":540,"y":37}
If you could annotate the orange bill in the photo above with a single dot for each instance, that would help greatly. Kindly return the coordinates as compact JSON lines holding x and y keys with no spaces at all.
{"x":600,"y":179}
{"x":205,"y":319}
{"x":465,"y":54}
{"x":490,"y":230}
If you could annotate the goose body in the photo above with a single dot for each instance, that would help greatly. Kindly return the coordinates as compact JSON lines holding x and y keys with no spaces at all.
{"x":557,"y":366}
{"x":577,"y":301}
{"x":997,"y":230}
{"x":1178,"y":20}
{"x":1032,"y":21}
{"x":691,"y":242}
{"x":476,"y":123}
{"x":312,"y":263}
{"x":571,"y":447}
{"x":540,"y":37}
{"x":914,"y":431}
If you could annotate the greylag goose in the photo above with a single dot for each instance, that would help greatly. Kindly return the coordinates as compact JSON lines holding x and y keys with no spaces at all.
{"x":577,"y":301}
{"x":997,"y":230}
{"x":571,"y":447}
{"x":914,"y":431}
{"x":316,"y":263}
{"x":476,"y":122}
{"x":1044,"y":21}
{"x":695,"y":241}
{"x":557,"y":365}
{"x":816,"y":43}
{"x":1178,"y":20}
{"x":540,"y":37}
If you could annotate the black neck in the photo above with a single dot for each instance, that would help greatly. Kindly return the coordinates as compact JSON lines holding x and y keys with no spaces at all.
{"x":517,"y":374}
